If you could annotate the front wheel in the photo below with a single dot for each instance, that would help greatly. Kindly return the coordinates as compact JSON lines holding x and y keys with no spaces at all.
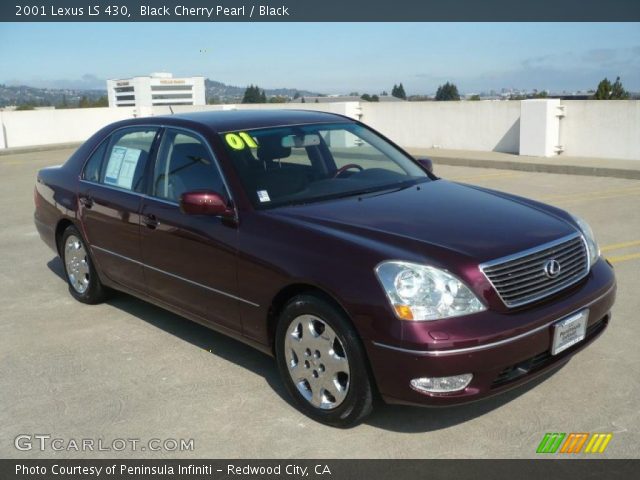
{"x":83,"y":280}
{"x":322,"y":362}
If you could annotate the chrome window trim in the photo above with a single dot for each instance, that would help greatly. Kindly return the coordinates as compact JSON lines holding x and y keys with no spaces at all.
{"x":531,"y":251}
{"x":178,"y":277}
{"x":486,"y":346}
{"x":160,"y":129}
{"x":108,"y":139}
{"x":112,"y":187}
{"x":209,"y":149}
{"x":124,"y":190}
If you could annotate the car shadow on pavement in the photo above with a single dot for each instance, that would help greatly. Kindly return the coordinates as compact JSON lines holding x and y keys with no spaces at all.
{"x":397,"y":418}
{"x":202,"y":337}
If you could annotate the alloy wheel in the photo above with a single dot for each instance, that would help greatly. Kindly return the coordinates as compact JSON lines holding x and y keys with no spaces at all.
{"x":317,"y":362}
{"x":77,"y":263}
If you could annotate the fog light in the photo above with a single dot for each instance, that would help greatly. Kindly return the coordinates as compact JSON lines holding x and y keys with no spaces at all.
{"x":441,"y":384}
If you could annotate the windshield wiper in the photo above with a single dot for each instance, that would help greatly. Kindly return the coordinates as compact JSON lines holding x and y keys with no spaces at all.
{"x":356,"y":193}
{"x":379,"y":190}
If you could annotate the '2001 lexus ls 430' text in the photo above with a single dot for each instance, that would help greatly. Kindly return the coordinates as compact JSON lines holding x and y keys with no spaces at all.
{"x":317,"y":240}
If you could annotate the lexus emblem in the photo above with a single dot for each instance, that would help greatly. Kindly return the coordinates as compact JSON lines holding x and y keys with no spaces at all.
{"x":552,"y":268}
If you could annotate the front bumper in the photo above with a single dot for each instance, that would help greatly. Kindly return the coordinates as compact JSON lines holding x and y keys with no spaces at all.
{"x":498,"y":364}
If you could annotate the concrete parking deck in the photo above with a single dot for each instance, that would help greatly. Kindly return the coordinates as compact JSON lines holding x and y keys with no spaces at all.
{"x":592,"y":166}
{"x":601,"y":167}
{"x":126,"y":369}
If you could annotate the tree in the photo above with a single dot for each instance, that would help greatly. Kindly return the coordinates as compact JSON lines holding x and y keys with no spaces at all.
{"x":103,"y":101}
{"x":86,"y":102}
{"x":398,"y":92}
{"x":607,"y":91}
{"x":303,"y":100}
{"x":370,"y":98}
{"x":253,"y":94}
{"x":474,"y":98}
{"x":446,"y":92}
{"x":297,"y":95}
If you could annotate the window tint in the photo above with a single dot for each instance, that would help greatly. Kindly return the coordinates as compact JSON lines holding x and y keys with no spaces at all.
{"x":126,"y":158}
{"x":184,"y":165}
{"x":306,"y":163}
{"x":93,"y":165}
{"x":348,"y":149}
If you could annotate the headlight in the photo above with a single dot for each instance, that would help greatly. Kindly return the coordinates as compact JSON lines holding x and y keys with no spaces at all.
{"x":592,"y":245}
{"x":420,"y":292}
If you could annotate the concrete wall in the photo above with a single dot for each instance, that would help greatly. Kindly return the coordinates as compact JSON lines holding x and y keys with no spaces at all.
{"x":540,"y":127}
{"x":608,"y":129}
{"x":484,"y":125}
{"x":603,"y":128}
{"x":350,"y":109}
{"x":43,"y":127}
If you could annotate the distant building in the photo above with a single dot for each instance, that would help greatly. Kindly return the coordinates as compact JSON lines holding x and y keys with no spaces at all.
{"x":572,"y":96}
{"x":154,"y":90}
{"x":342,"y":98}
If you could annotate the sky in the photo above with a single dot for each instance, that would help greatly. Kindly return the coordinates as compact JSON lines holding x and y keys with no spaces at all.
{"x":327,"y":57}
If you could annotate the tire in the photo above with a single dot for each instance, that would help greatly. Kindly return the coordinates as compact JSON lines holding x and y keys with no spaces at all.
{"x":80,"y":272}
{"x":322,"y":362}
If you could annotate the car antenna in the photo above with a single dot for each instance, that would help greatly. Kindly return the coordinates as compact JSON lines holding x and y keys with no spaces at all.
{"x":171,"y":109}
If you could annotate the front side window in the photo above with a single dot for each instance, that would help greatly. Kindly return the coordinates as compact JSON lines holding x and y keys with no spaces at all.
{"x":184,"y":165}
{"x":126,"y":158}
{"x":309,"y":163}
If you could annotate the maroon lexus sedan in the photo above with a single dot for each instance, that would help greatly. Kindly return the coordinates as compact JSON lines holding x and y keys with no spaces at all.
{"x":320,"y":242}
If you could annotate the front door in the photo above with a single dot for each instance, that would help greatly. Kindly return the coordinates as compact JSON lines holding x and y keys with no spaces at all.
{"x":189,"y":260}
{"x":110,"y":200}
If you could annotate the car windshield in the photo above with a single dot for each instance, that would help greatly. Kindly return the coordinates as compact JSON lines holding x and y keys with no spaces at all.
{"x":309,"y":163}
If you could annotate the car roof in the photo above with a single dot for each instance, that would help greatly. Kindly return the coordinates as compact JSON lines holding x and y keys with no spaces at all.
{"x":228,"y":120}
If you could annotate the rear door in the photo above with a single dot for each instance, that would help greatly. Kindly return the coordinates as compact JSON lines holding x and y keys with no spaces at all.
{"x":110,"y":196}
{"x":190,"y":260}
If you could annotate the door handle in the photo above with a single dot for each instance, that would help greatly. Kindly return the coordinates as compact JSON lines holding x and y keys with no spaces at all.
{"x":150,"y":221}
{"x":86,"y":201}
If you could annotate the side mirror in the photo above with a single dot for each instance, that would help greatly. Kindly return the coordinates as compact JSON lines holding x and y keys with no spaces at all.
{"x":425,"y":163}
{"x":204,"y":203}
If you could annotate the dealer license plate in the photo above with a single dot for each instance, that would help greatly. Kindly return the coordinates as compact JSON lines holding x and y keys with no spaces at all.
{"x":569,"y":331}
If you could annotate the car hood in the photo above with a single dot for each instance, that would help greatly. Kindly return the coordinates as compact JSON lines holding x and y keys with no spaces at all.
{"x":477,"y":223}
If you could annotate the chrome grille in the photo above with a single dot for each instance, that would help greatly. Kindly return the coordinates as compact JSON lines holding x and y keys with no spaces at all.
{"x":520,"y":279}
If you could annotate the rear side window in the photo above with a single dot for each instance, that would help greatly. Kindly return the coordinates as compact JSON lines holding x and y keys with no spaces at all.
{"x":126,"y":158}
{"x":184,"y":165}
{"x":93,"y":165}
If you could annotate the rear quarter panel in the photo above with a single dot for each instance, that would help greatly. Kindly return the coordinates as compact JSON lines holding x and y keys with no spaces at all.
{"x":56,"y":189}
{"x":55,"y":200}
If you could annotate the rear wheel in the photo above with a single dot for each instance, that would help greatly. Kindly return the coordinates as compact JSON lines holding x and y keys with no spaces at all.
{"x":81,"y":275}
{"x":322,"y":362}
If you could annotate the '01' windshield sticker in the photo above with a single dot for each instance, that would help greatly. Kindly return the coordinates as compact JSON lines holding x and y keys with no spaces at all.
{"x":240,"y":140}
{"x":263,"y":196}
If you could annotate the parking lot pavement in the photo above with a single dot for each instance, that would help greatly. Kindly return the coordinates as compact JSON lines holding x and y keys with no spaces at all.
{"x":128,"y":370}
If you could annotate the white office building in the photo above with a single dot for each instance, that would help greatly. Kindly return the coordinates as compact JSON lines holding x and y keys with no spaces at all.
{"x":156,"y":89}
